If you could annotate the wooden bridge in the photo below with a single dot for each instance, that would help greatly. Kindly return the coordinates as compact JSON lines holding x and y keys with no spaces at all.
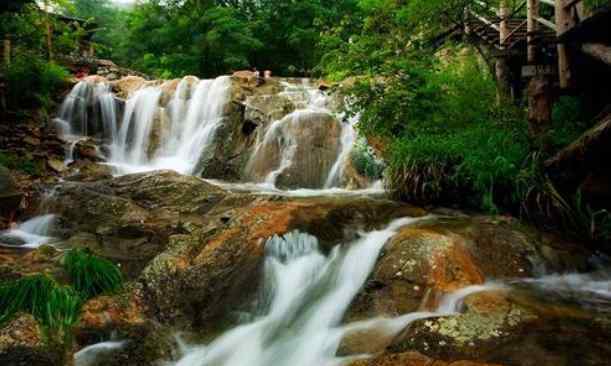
{"x":546,"y":48}
{"x":541,"y":37}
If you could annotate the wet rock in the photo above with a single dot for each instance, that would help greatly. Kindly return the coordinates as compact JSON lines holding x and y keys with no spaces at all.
{"x":412,"y":359}
{"x":425,"y":261}
{"x":212,"y":270}
{"x":129,"y":219}
{"x":90,"y":172}
{"x":21,"y":343}
{"x":10,"y":197}
{"x":57,"y":165}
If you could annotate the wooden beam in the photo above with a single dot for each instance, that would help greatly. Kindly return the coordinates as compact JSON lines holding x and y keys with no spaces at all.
{"x":599,"y":51}
{"x":548,"y":2}
{"x":564,"y":22}
{"x":532,"y":27}
{"x":546,"y":23}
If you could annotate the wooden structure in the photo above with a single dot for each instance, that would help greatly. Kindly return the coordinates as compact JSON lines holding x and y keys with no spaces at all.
{"x":548,"y":48}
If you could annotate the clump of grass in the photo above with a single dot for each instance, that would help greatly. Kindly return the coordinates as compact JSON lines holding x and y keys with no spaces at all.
{"x":63,"y":310}
{"x":91,"y":275}
{"x":28,"y":294}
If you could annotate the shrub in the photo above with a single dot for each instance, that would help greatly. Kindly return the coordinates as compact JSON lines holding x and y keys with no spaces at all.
{"x":365,"y":162}
{"x":91,"y":275}
{"x":25,"y":163}
{"x":31,"y":81}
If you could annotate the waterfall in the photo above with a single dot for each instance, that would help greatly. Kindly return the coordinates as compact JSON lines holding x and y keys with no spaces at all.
{"x":284,"y":150}
{"x":148,"y":136}
{"x":30,"y":234}
{"x":90,"y":355}
{"x":348,"y":138}
{"x":304,"y":297}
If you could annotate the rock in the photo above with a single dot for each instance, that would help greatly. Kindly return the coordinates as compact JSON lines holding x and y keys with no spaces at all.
{"x":87,"y":149}
{"x":129,"y":219}
{"x":57,"y":165}
{"x":34,"y":141}
{"x":510,"y":329}
{"x":10,"y":197}
{"x":412,"y":359}
{"x":207,"y":273}
{"x":90,"y":172}
{"x":21,"y":343}
{"x":425,"y":261}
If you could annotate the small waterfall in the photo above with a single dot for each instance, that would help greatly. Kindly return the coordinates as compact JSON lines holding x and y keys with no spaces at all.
{"x":348,"y":139}
{"x":73,"y":113}
{"x":30,"y":234}
{"x":90,"y":355}
{"x":131,"y":146}
{"x":304,"y":298}
{"x":148,"y":136}
{"x":284,"y":154}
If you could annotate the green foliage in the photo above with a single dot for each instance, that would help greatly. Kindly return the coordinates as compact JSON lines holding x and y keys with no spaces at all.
{"x":365,"y":161}
{"x":57,"y":308}
{"x":31,"y":81}
{"x":28,"y":294}
{"x":25,"y":163}
{"x":91,"y":275}
{"x":63,"y":309}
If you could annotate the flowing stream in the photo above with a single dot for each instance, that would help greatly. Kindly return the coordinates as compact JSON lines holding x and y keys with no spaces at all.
{"x":30,"y":234}
{"x":305,"y":293}
{"x":304,"y":298}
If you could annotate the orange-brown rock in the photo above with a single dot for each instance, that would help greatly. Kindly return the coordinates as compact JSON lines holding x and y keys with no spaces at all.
{"x":413,"y":359}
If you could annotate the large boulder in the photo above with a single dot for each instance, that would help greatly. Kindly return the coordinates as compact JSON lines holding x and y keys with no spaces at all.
{"x":424,"y":262}
{"x":21,"y":344}
{"x":211,"y":271}
{"x":10,"y":197}
{"x":130,"y":219}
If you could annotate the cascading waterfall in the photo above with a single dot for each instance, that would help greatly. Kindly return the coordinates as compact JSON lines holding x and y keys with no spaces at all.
{"x":149,"y":136}
{"x":30,"y":234}
{"x":304,"y":298}
{"x":276,"y":154}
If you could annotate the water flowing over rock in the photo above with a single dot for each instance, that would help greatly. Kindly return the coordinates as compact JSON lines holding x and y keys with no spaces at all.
{"x":284,"y":133}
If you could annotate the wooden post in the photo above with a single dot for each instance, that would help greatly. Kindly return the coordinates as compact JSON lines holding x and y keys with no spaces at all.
{"x":49,"y":30}
{"x":502,"y":67}
{"x":532,"y":28}
{"x":91,"y":50}
{"x":564,"y":22}
{"x":7,"y":51}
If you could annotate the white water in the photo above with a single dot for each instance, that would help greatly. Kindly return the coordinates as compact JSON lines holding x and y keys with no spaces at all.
{"x":33,"y":232}
{"x":309,"y":102}
{"x":186,"y":127}
{"x":597,"y":284}
{"x":90,"y":355}
{"x":304,"y":299}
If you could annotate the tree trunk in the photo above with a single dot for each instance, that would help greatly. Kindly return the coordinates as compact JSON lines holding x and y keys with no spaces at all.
{"x":7,"y":51}
{"x":49,"y":30}
{"x":590,"y":153}
{"x":540,"y":101}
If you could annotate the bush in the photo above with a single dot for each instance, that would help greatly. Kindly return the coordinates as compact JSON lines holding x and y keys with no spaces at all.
{"x":24,"y":164}
{"x":365,"y":162}
{"x":32,"y":81}
{"x":91,"y":275}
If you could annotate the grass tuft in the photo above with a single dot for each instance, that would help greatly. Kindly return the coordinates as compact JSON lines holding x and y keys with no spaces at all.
{"x":91,"y":275}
